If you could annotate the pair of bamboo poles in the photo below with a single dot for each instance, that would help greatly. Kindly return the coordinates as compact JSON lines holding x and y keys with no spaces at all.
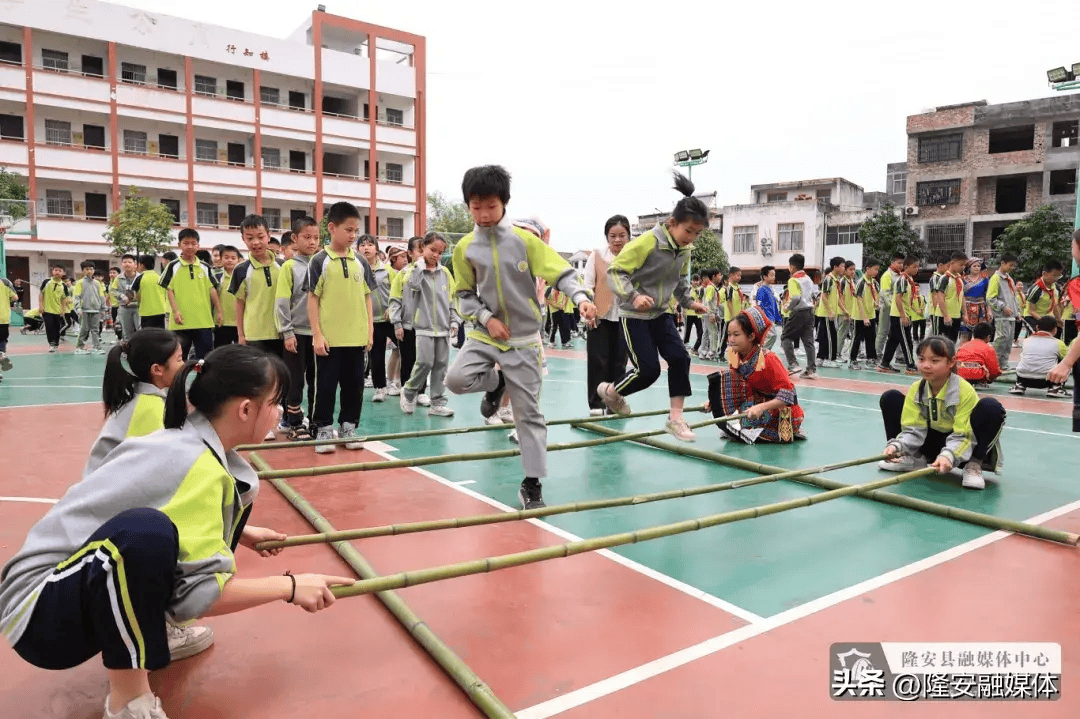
{"x":479,"y":693}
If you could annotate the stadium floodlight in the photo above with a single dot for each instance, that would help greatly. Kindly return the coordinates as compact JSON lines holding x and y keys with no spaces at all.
{"x":698,"y":154}
{"x":1076,"y":69}
{"x":689,"y":158}
{"x":1059,"y":74}
{"x":682,"y":156}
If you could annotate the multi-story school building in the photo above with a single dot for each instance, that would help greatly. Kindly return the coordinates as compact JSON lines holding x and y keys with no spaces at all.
{"x":214,"y":123}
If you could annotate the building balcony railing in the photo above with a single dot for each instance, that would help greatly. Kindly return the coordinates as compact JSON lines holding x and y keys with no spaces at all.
{"x":69,"y":70}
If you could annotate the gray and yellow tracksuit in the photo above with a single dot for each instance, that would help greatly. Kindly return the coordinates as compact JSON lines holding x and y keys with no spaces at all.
{"x":434,"y":318}
{"x":89,"y":296}
{"x":291,"y":302}
{"x":144,"y":414}
{"x":1001,"y":296}
{"x":127,"y":308}
{"x":653,"y":265}
{"x":495,"y":270}
{"x":154,"y":527}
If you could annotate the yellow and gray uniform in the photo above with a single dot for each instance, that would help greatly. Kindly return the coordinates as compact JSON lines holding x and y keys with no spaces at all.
{"x":89,"y":297}
{"x":658,"y":267}
{"x":291,"y":299}
{"x":127,"y":308}
{"x":144,"y":414}
{"x":434,"y":318}
{"x":885,"y":297}
{"x":495,"y":270}
{"x":1001,"y":296}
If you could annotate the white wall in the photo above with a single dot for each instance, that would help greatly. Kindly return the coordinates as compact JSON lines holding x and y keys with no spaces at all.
{"x":767,"y":217}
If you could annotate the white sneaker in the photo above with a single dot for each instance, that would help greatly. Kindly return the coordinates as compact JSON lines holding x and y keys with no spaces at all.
{"x":973,"y":476}
{"x":406,"y":406}
{"x":324,"y":434}
{"x":440,"y":411}
{"x":680,"y":430}
{"x":513,"y":436}
{"x":99,"y":351}
{"x":270,"y":436}
{"x":81,"y":351}
{"x":423,"y":400}
{"x":596,"y":412}
{"x":506,"y":414}
{"x":147,"y":706}
{"x":187,"y":641}
{"x":348,"y":431}
{"x":903,"y":464}
{"x":380,"y":395}
{"x":493,"y":419}
{"x":393,"y":390}
{"x":614,"y":401}
{"x":369,"y":383}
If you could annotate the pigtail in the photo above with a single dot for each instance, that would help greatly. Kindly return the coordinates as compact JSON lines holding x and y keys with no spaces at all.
{"x":176,"y":403}
{"x":689,"y":208}
{"x":118,"y":385}
{"x":683,"y":184}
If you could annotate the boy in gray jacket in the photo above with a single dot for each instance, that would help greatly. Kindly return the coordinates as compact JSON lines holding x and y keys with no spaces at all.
{"x":495,"y":269}
{"x":89,"y":296}
{"x":291,"y":315}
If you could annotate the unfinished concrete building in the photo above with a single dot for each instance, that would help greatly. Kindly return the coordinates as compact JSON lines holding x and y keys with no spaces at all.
{"x":973,"y":169}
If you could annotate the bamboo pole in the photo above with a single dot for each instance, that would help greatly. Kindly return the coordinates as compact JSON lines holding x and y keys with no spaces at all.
{"x":513,"y":516}
{"x":468,"y":456}
{"x":481,"y":566}
{"x":478,"y":692}
{"x":899,"y":500}
{"x":449,"y":430}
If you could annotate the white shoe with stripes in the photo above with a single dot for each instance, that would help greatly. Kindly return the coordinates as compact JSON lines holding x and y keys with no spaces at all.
{"x":187,"y":641}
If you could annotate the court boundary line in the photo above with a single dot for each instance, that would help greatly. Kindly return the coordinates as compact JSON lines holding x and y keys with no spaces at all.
{"x":662,"y":665}
{"x":383,"y":450}
{"x":31,"y":500}
{"x":38,"y":406}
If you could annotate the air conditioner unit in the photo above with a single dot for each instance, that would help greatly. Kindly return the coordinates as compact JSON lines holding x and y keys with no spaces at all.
{"x":911,"y":211}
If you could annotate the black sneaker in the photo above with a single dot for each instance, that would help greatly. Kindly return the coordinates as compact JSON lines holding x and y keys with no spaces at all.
{"x":489,"y":405}
{"x":530,"y":496}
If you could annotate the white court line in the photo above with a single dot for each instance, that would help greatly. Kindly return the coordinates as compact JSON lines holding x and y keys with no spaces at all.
{"x":466,"y":481}
{"x":871,"y":394}
{"x":54,"y":386}
{"x":54,"y":404}
{"x":36,"y":500}
{"x":664,"y":664}
{"x":67,"y":376}
{"x":877,"y":411}
{"x":383,"y":450}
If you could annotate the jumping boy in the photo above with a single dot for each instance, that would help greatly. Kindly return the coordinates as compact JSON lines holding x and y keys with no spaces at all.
{"x":495,"y":269}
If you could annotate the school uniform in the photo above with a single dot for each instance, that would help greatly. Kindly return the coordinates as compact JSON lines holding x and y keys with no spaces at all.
{"x":954,"y":305}
{"x":1001,"y":296}
{"x":341,"y":289}
{"x":123,"y":299}
{"x":1041,"y":300}
{"x":384,"y":328}
{"x":693,"y":319}
{"x":434,"y":319}
{"x":652,"y":265}
{"x":256,"y":285}
{"x":153,"y":302}
{"x":7,"y":296}
{"x":495,"y":271}
{"x":226,"y":333}
{"x":291,"y":316}
{"x":144,"y":414}
{"x":902,"y":307}
{"x":89,"y":296}
{"x":1039,"y":354}
{"x":799,"y":325}
{"x":605,"y":345}
{"x":191,"y":284}
{"x":710,"y":345}
{"x":55,"y":294}
{"x":407,"y":344}
{"x":113,"y":559}
{"x":863,"y":309}
{"x":826,"y":328}
{"x":937,"y":285}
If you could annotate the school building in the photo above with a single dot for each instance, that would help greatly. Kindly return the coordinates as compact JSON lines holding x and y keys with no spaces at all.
{"x":214,"y":123}
{"x":973,"y":169}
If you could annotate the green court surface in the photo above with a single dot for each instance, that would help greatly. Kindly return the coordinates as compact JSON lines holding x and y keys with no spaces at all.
{"x":765,"y":565}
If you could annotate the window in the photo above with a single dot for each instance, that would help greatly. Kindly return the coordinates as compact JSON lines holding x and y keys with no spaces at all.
{"x":1011,"y":139}
{"x":297,"y":161}
{"x":173,"y":206}
{"x":842,"y":235}
{"x":745,"y":239}
{"x":94,"y":136}
{"x":789,"y":237}
{"x":54,"y":60}
{"x":93,"y":66}
{"x":134,"y":142}
{"x":234,"y":90}
{"x":166,"y":78}
{"x":395,"y":227}
{"x":270,"y":95}
{"x":940,"y":192}
{"x":271,"y":157}
{"x":941,"y":148}
{"x":395,"y":172}
{"x":236,"y":153}
{"x":1062,"y":182}
{"x":58,"y":202}
{"x":11,"y":53}
{"x":97,"y":207}
{"x":169,"y":146}
{"x":132,"y":73}
{"x":1065,"y":133}
{"x":205,"y":85}
{"x":11,"y":127}
{"x":57,"y":132}
{"x":297,"y":100}
{"x":272,"y":217}
{"x":777,"y":197}
{"x":945,"y":239}
{"x":899,"y":183}
{"x":206,"y":150}
{"x":824,"y":195}
{"x":394,"y":117}
{"x":1011,"y":194}
{"x":206,"y":214}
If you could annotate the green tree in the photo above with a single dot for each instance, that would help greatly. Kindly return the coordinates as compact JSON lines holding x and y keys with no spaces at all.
{"x":12,"y":187}
{"x":887,"y":233}
{"x":708,"y":252}
{"x":1040,"y":236}
{"x":141,"y":226}
{"x":448,"y":217}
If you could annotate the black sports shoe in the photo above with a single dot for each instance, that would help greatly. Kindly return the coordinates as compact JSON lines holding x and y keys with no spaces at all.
{"x":489,"y":405}
{"x":529,"y":494}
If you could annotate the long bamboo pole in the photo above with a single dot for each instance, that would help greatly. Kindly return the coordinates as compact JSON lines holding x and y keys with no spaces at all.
{"x":449,"y":430}
{"x":469,"y":456}
{"x":478,"y":692}
{"x":513,"y":516}
{"x":481,"y":566}
{"x":899,"y":500}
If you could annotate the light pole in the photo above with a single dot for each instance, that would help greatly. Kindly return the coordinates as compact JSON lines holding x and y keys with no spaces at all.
{"x":689,"y":158}
{"x":1062,"y":80}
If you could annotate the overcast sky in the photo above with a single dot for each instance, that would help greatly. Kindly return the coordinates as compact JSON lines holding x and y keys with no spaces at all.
{"x":585,"y":102}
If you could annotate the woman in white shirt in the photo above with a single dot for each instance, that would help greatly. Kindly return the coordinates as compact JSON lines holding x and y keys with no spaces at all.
{"x":605,"y":343}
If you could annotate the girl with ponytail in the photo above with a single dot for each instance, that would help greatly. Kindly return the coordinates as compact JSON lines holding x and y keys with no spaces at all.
{"x":138,"y":373}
